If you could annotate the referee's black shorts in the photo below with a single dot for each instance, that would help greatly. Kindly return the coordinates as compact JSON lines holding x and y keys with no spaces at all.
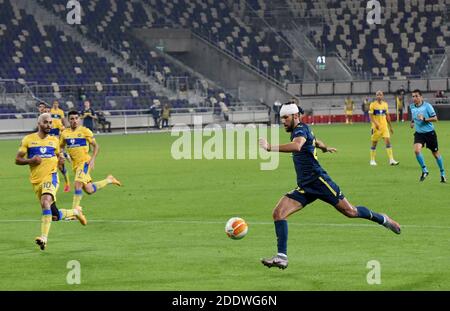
{"x":428,"y":139}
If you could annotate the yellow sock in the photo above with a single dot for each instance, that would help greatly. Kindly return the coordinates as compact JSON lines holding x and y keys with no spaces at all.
{"x":77,"y":198}
{"x":389,"y":153}
{"x":67,"y":212}
{"x":46,"y":222}
{"x":373,"y":153}
{"x":100,"y":184}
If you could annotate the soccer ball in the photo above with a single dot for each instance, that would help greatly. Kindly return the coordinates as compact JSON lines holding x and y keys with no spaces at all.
{"x":236,"y":228}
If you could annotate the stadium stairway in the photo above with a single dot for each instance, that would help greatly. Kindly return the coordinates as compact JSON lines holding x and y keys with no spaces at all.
{"x":47,"y":18}
{"x":215,"y":22}
{"x":110,"y":21}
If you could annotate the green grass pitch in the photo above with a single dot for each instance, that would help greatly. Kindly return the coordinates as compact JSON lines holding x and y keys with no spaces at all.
{"x":164,"y":230}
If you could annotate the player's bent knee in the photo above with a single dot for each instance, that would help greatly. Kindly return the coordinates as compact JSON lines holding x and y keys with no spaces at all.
{"x":284,"y":208}
{"x":276,"y":214}
{"x":89,"y":190}
{"x":46,"y":201}
{"x":279,"y":213}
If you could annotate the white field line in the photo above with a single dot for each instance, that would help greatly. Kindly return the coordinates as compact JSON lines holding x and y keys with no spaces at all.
{"x":143,"y":221}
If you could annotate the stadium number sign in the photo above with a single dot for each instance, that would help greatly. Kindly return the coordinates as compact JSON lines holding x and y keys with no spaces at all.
{"x":321,"y":63}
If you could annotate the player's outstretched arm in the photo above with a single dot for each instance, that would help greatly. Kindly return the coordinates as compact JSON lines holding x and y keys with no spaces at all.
{"x":20,"y":159}
{"x":321,"y":145}
{"x":294,"y":146}
{"x":61,"y":162}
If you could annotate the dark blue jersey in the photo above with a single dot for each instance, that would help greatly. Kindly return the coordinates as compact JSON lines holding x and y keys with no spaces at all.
{"x":88,"y":120}
{"x":306,"y":165}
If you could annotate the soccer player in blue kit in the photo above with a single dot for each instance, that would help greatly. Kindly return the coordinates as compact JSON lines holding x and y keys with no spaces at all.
{"x":422,"y":114}
{"x":313,"y":183}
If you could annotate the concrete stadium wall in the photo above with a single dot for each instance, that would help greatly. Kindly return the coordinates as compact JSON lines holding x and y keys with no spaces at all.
{"x":334,"y":70}
{"x":447,"y":68}
{"x":334,"y":105}
{"x":144,"y":121}
{"x":367,"y":87}
{"x":170,"y":40}
{"x":216,"y":66}
{"x":231,"y":74}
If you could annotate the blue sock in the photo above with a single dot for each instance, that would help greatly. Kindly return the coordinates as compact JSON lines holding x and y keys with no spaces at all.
{"x":421,"y":161}
{"x":441,"y":165}
{"x":364,"y":212}
{"x":281,"y":230}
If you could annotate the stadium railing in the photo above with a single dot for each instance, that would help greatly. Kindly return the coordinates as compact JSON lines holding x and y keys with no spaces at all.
{"x":142,"y":120}
{"x":357,"y":87}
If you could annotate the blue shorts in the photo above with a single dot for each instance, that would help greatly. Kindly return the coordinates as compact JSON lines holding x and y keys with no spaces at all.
{"x":323,"y":188}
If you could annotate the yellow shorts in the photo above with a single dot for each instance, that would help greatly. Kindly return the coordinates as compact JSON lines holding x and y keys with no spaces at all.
{"x":378,"y":134}
{"x":82,"y":173}
{"x":47,"y":186}
{"x":349,"y":112}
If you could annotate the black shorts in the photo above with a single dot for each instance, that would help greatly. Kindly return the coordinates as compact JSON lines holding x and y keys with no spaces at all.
{"x":429,"y":139}
{"x":323,"y":188}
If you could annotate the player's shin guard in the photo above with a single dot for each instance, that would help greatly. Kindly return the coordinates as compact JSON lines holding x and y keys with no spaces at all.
{"x":281,"y":230}
{"x":440,"y":163}
{"x":364,"y":212}
{"x":421,"y":161}
{"x":77,"y":198}
{"x":56,"y":214}
{"x":46,"y":221}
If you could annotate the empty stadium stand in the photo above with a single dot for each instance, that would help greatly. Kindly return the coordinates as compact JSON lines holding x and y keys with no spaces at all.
{"x":410,"y":33}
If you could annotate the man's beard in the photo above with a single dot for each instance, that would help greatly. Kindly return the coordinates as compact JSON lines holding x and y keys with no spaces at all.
{"x":45,"y":130}
{"x":290,"y":128}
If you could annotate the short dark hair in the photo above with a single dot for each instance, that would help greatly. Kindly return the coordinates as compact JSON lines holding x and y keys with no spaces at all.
{"x":73,"y":113}
{"x":417,"y":91}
